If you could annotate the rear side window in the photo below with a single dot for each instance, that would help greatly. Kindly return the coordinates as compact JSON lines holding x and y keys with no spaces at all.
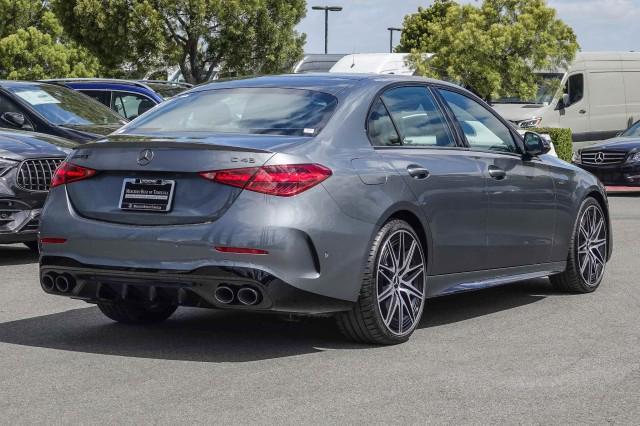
{"x":417,"y":117}
{"x":481,"y":128}
{"x":130,"y":105}
{"x":380,"y":127}
{"x":274,"y":111}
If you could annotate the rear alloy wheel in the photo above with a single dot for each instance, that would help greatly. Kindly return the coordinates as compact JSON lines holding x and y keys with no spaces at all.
{"x":393,"y":290}
{"x":127,"y":313}
{"x":588,"y":251}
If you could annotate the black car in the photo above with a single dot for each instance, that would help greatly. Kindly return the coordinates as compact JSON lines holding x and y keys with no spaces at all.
{"x":55,"y":110}
{"x":27,"y":162}
{"x":616,"y":162}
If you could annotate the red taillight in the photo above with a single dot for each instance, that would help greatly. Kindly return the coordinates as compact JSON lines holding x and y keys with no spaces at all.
{"x":67,"y":173}
{"x":240,"y":250}
{"x":283,"y":180}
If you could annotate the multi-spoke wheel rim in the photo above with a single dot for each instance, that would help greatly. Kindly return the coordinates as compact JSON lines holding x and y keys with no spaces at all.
{"x":401,"y":282}
{"x":592,"y":245}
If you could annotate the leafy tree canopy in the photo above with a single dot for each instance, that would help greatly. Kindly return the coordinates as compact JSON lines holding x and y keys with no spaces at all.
{"x":33,"y":46}
{"x":493,"y":49}
{"x":232,"y":37}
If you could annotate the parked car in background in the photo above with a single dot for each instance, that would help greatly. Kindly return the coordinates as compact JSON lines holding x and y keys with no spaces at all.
{"x":374,"y":63}
{"x":27,"y":163}
{"x":616,"y":162}
{"x":265,"y":194}
{"x":598,"y":97}
{"x":128,"y":98}
{"x":315,"y":62}
{"x":55,"y":110}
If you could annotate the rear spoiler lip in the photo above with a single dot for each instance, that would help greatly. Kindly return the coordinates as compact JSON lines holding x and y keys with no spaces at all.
{"x":108,"y":144}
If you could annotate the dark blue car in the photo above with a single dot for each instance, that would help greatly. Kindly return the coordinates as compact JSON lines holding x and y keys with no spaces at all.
{"x":128,"y":98}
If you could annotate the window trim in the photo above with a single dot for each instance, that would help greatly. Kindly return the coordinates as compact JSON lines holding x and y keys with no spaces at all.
{"x":459,"y":145}
{"x":517,"y":139}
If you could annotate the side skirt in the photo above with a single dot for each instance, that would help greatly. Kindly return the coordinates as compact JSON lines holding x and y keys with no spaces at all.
{"x":441,"y":285}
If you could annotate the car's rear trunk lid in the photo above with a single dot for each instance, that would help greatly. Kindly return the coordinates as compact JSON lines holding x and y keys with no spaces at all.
{"x":137,"y":180}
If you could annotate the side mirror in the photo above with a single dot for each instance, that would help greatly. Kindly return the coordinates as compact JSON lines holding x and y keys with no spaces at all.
{"x":14,"y":119}
{"x":563,"y":102}
{"x":535,"y":145}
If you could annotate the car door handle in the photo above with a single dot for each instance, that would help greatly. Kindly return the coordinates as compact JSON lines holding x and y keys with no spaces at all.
{"x":497,"y":173}
{"x":582,"y":111}
{"x":417,"y":172}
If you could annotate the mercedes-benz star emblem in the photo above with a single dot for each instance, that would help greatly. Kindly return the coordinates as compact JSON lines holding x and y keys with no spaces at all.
{"x":599,"y":157}
{"x":145,"y":157}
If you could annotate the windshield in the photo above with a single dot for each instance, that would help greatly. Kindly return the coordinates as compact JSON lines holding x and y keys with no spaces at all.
{"x":290,"y":112}
{"x":63,"y":106}
{"x":632,"y":132}
{"x":167,"y":90}
{"x":548,"y":85}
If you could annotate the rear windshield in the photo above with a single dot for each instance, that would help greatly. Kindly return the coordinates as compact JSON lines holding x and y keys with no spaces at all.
{"x":291,"y":112}
{"x":63,"y":106}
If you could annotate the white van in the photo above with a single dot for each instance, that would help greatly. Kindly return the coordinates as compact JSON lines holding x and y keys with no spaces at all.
{"x":598,"y":97}
{"x":374,"y":63}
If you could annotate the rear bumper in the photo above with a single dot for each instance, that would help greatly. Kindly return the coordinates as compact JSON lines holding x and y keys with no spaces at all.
{"x":195,"y":288}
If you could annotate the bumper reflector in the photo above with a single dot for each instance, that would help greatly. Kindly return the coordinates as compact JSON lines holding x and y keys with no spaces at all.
{"x":240,"y":250}
{"x":52,"y":240}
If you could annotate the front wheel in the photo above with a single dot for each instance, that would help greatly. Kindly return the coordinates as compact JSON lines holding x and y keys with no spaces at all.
{"x":136,"y":314}
{"x":393,"y":288}
{"x":588,"y":251}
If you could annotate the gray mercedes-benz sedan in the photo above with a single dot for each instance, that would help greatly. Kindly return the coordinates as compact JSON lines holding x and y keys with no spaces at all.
{"x":355,"y":195}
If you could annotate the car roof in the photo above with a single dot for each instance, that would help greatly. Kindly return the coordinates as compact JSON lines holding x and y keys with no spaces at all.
{"x":332,"y":83}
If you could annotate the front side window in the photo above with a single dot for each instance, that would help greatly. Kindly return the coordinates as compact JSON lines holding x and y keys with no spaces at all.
{"x":575,"y":88}
{"x":481,"y":128}
{"x":273,"y":111}
{"x":417,"y":117}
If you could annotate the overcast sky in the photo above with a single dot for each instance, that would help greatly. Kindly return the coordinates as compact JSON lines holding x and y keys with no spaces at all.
{"x":362,"y":25}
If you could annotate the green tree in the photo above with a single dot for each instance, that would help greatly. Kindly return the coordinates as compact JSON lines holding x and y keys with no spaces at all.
{"x":232,"y":37}
{"x":33,"y":46}
{"x":493,"y":49}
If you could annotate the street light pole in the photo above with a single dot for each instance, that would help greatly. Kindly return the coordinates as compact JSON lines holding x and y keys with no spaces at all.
{"x":327,"y":9}
{"x":391,"y":30}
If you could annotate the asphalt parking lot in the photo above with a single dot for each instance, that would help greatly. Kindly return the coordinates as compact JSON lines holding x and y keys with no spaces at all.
{"x":516,"y":354}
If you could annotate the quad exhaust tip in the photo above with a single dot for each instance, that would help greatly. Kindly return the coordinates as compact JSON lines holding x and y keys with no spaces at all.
{"x":248,"y":296}
{"x":48,"y":282}
{"x":224,"y":294}
{"x":64,"y":283}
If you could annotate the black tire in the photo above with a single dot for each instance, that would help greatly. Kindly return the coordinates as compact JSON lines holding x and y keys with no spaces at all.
{"x":33,"y":246}
{"x":136,"y":314}
{"x":365,"y":323}
{"x":572,"y":280}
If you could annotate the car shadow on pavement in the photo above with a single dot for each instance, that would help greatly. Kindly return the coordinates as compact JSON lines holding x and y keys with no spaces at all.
{"x":224,"y":336}
{"x":17,"y":255}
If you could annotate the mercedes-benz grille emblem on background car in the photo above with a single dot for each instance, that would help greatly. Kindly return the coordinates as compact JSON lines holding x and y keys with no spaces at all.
{"x":145,"y":157}
{"x":599,"y":157}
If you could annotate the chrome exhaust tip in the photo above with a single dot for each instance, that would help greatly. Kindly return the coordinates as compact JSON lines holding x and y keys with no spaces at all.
{"x":48,"y":282}
{"x":248,"y":296}
{"x":224,"y":294}
{"x":64,"y":283}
